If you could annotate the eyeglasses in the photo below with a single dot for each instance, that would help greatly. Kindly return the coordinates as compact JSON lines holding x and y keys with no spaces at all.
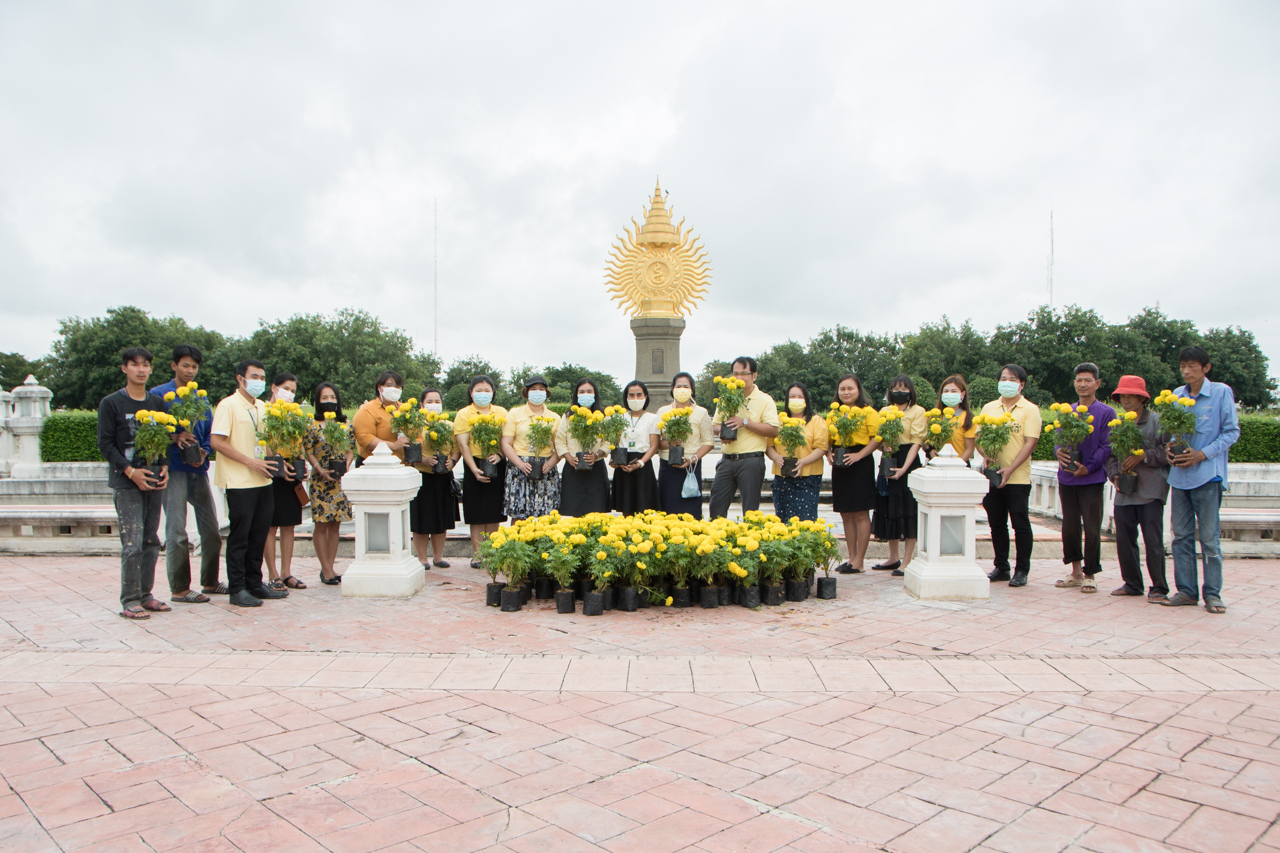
{"x":742,"y":374}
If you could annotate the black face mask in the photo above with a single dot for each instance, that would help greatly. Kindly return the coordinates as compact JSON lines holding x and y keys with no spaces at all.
{"x":899,"y":396}
{"x":321,"y":408}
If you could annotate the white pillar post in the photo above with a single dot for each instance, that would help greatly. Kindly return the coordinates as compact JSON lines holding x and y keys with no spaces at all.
{"x":380,"y":491}
{"x":6,"y":437}
{"x":30,"y":408}
{"x":945,"y":567}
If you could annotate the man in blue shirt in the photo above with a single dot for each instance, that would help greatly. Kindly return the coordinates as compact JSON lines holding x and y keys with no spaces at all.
{"x":189,"y":484}
{"x":1198,"y":479}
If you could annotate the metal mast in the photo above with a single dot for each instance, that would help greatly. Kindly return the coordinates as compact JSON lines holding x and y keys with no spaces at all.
{"x":1051,"y":257}
{"x":435,"y":276}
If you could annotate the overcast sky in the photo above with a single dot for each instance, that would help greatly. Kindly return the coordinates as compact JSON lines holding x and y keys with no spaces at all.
{"x":877,"y":165}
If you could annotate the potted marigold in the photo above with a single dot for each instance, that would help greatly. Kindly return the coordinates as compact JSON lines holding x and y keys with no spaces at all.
{"x":891,"y":427}
{"x":941,"y":427}
{"x":611,"y":430}
{"x":411,"y":422}
{"x":676,"y":426}
{"x":542,"y":430}
{"x":486,"y":432}
{"x":438,"y":439}
{"x":1177,"y":420}
{"x":190,"y":404}
{"x":1071,"y":427}
{"x":843,"y":422}
{"x":151,"y":440}
{"x":790,"y":438}
{"x":730,"y":401}
{"x":994,"y":432}
{"x":283,"y":428}
{"x":1126,"y":439}
{"x":584,"y":428}
{"x":337,"y":436}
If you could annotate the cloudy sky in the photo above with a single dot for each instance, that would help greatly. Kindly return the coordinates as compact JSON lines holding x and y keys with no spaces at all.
{"x":871,"y":164}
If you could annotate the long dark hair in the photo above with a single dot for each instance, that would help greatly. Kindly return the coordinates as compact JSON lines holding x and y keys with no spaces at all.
{"x":862,"y":400}
{"x":808,"y":404}
{"x":636,"y":383}
{"x":957,"y":380}
{"x":595,"y":407}
{"x":315,"y":399}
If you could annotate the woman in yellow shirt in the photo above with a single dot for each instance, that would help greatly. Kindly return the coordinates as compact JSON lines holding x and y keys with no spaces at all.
{"x":796,"y":495}
{"x":582,"y":492}
{"x":433,"y":513}
{"x":896,"y":511}
{"x":853,"y":484}
{"x":530,"y":494}
{"x":482,"y":497}
{"x":955,"y":395}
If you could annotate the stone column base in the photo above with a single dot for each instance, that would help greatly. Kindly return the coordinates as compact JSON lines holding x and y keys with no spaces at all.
{"x":374,"y":578}
{"x":946,"y":583}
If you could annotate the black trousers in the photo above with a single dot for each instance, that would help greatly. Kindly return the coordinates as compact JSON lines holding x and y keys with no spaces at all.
{"x":1150,"y":518}
{"x":249,"y":512}
{"x":1082,"y":513}
{"x":1004,"y":507}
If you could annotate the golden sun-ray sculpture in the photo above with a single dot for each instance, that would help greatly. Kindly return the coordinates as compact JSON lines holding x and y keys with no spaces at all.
{"x":658,"y":270}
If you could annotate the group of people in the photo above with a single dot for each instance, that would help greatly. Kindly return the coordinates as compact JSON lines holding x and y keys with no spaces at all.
{"x":499,"y":482}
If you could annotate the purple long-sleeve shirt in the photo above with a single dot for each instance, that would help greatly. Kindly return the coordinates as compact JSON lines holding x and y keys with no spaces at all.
{"x":1095,"y":449}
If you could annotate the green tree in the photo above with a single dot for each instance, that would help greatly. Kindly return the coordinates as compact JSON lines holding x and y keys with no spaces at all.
{"x":982,"y":390}
{"x":790,"y":362}
{"x":1238,"y":361}
{"x":940,"y":349}
{"x":14,"y":370}
{"x":1148,"y":346}
{"x":704,"y":386}
{"x":874,"y":358}
{"x":562,"y":382}
{"x":1049,"y":344}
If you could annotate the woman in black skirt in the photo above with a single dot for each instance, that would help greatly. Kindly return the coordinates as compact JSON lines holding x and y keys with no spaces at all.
{"x":288,"y":509}
{"x":896,"y":512}
{"x":434,"y":511}
{"x":582,"y":492}
{"x":635,"y":489}
{"x":481,"y":496}
{"x":671,"y":478}
{"x":853,"y":484}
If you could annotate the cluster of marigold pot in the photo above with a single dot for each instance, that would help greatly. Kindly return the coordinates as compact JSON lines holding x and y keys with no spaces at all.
{"x":614,"y":563}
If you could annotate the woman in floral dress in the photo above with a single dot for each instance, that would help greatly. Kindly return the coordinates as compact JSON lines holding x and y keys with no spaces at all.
{"x":329,"y":506}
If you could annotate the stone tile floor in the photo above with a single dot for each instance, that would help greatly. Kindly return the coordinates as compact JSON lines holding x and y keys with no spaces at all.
{"x":1042,"y":720}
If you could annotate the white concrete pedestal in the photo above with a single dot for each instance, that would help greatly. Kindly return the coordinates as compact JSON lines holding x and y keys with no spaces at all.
{"x":380,"y":491}
{"x":945,"y":567}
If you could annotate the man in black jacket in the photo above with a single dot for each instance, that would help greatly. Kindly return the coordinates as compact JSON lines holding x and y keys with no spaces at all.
{"x":139,"y":495}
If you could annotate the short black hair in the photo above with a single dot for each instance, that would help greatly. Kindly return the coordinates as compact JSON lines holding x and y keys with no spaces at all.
{"x":476,"y":380}
{"x":908,"y":383}
{"x":747,"y":360}
{"x":388,"y":376}
{"x":862,"y":400}
{"x":1087,"y":367}
{"x":243,"y":367}
{"x":1197,"y":354}
{"x":808,"y":404}
{"x":1016,"y":370}
{"x":425,"y":391}
{"x":595,"y":389}
{"x":190,"y":351}
{"x":282,"y":378}
{"x":636,"y":383}
{"x":135,"y":354}
{"x":693,"y":384}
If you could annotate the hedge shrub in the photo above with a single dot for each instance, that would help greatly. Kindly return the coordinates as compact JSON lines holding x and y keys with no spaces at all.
{"x":1259,"y":440}
{"x":70,"y":437}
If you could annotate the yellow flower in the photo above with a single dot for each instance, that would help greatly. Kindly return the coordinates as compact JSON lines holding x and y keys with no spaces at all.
{"x":184,"y":423}
{"x":1048,"y":429}
{"x":1130,"y":416}
{"x":1082,"y":409}
{"x":261,"y":443}
{"x":202,"y":393}
{"x":328,"y":416}
{"x":948,"y":411}
{"x":546,"y":556}
{"x":601,"y":555}
{"x":168,"y":396}
{"x":669,"y":600}
{"x":936,"y":429}
{"x":835,"y":406}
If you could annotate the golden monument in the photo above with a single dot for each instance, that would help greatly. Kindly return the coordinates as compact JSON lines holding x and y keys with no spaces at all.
{"x":657,"y":273}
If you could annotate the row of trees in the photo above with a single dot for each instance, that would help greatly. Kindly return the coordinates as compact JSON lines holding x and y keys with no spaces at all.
{"x":351,"y":347}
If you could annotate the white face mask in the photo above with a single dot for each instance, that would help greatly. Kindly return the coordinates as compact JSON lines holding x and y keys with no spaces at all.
{"x":284,"y":394}
{"x":434,"y":408}
{"x":682,"y":395}
{"x":635,"y":405}
{"x":537,"y":398}
{"x":391,"y":394}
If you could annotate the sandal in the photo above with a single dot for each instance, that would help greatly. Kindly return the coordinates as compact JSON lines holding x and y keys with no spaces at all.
{"x":220,"y":589}
{"x":476,"y":564}
{"x":1068,"y":582}
{"x":1157,"y":598}
{"x":294,"y":583}
{"x":277,"y":585}
{"x":135,"y":611}
{"x":1213,"y":604}
{"x":1088,"y":584}
{"x":155,"y":605}
{"x":192,"y":597}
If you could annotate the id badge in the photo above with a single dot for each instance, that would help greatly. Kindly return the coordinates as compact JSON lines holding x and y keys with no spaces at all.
{"x":259,"y":452}
{"x":631,"y":444}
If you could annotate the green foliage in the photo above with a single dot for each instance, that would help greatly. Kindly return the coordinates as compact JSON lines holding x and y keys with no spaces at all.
{"x":1238,"y":361}
{"x":1044,"y":451}
{"x":562,"y":382}
{"x":938,"y":350}
{"x":1259,"y":440}
{"x":982,"y":390}
{"x":70,"y":437}
{"x":926,"y":395}
{"x":14,"y":369}
{"x":704,"y":387}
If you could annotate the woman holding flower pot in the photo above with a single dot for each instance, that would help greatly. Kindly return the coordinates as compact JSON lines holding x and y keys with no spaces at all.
{"x":797,"y":477}
{"x":635,"y":489}
{"x":288,"y":504}
{"x":584,"y":483}
{"x":328,"y":446}
{"x":896,"y":511}
{"x":528,"y":443}
{"x":433,"y":513}
{"x":372,"y":422}
{"x":482,"y":493}
{"x":680,"y":455}
{"x":853,"y":424}
{"x":953,"y":400}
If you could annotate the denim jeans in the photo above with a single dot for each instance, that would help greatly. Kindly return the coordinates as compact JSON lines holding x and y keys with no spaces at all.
{"x":138,"y":514}
{"x":1192,"y":508}
{"x":186,"y":487}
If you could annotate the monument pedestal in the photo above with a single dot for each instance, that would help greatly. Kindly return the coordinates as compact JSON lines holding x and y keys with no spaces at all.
{"x":945,"y":567}
{"x":657,"y":354}
{"x":380,"y":492}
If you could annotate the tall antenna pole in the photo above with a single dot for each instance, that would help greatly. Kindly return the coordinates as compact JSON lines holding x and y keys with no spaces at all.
{"x":435,"y":276}
{"x":1051,"y":257}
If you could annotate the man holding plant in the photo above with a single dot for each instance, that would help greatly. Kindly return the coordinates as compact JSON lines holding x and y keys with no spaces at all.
{"x":752,"y":417}
{"x":137,"y":491}
{"x":1082,"y":455}
{"x":1198,"y":478}
{"x":189,"y":481}
{"x":1007,"y":502}
{"x":1138,"y":469}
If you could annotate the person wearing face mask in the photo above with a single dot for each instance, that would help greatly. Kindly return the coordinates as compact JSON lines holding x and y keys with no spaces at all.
{"x":955,"y":395}
{"x":371,"y":425}
{"x":700,"y":442}
{"x":287,"y":512}
{"x":635,"y":488}
{"x":582,"y":492}
{"x":741,"y":466}
{"x":896,"y":514}
{"x":853,"y":484}
{"x":329,"y":506}
{"x":796,"y":496}
{"x":434,"y":512}
{"x":1007,"y":504}
{"x":245,"y":476}
{"x":526,"y":496}
{"x":482,"y":497}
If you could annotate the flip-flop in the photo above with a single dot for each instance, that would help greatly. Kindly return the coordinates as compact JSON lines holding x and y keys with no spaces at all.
{"x":220,"y":589}
{"x":155,"y":605}
{"x":192,"y":597}
{"x":135,"y":611}
{"x":1213,"y":604}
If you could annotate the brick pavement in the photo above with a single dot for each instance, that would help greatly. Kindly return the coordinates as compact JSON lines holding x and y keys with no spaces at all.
{"x":1041,"y":720}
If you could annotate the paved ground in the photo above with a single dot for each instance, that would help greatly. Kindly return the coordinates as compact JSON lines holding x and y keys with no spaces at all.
{"x":1043,"y":720}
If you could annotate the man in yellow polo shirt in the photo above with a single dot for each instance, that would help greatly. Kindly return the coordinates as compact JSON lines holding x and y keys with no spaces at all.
{"x":1008,"y":503}
{"x":741,"y":465}
{"x":245,"y":476}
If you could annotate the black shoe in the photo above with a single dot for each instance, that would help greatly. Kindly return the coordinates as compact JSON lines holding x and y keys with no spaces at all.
{"x":998,"y":575}
{"x":896,"y":564}
{"x":244,"y":598}
{"x":1019,"y":578}
{"x":846,"y":569}
{"x":897,"y":573}
{"x":333,"y":581}
{"x":267,"y":592}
